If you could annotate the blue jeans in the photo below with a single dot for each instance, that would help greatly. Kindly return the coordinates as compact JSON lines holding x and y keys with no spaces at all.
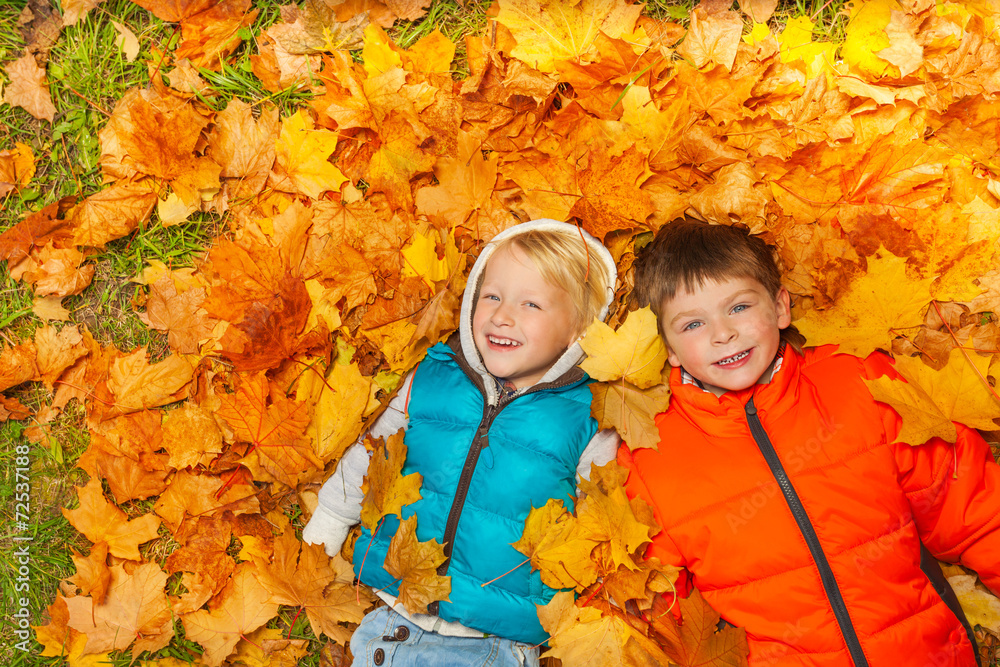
{"x":386,"y":638}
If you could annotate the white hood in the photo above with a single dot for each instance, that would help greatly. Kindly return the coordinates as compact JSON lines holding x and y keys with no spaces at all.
{"x":574,"y":354}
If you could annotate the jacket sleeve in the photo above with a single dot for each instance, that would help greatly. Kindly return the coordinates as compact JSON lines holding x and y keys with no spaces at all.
{"x":953,"y":491}
{"x":340,"y":497}
{"x":600,"y":450}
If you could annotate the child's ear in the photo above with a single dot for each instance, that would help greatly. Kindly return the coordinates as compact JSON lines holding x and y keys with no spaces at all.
{"x":783,"y":308}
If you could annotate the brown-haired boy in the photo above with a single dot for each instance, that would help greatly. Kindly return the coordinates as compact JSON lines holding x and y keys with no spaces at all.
{"x":777,"y":482}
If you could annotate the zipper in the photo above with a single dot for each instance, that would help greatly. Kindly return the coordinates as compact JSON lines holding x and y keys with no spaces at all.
{"x":809,"y":534}
{"x":479,"y":442}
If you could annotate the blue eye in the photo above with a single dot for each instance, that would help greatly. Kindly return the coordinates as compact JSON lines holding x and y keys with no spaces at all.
{"x":493,"y":297}
{"x":534,"y":305}
{"x":691,"y":325}
{"x":740,"y":308}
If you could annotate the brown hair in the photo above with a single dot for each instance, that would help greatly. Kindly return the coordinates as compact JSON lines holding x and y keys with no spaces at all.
{"x":565,"y":259}
{"x":687,"y":252}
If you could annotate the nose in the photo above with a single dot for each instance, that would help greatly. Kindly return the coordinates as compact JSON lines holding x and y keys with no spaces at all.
{"x":501,"y":315}
{"x":723,"y":333}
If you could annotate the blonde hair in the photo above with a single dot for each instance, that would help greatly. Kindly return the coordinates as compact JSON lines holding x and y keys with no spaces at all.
{"x":565,"y":259}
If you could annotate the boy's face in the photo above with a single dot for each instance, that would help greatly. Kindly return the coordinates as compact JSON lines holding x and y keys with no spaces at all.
{"x":521,"y":323}
{"x":727,"y":332}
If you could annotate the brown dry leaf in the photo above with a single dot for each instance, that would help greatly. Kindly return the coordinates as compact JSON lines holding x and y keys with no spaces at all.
{"x":191,"y":436}
{"x":57,"y":350}
{"x":396,"y":160}
{"x":176,"y":10}
{"x":759,"y":11}
{"x":192,"y":494}
{"x":697,"y":641}
{"x":415,"y":564}
{"x":135,"y":609}
{"x":268,"y":647}
{"x":386,"y":489}
{"x":35,"y":231}
{"x":28,"y":88}
{"x":56,"y":271}
{"x":210,"y":36}
{"x":180,"y":314}
{"x":712,"y":38}
{"x":74,"y":10}
{"x":241,"y":608}
{"x":101,"y":521}
{"x":17,"y":365}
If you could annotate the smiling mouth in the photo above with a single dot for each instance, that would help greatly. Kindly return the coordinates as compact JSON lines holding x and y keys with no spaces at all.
{"x":733,"y":359}
{"x":503,"y":341}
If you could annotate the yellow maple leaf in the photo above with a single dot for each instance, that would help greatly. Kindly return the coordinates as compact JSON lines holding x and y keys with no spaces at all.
{"x":865,"y":36}
{"x":872,"y":310}
{"x":551,"y":30}
{"x":421,"y":257}
{"x":605,"y":514}
{"x":301,"y":155}
{"x":379,"y":53}
{"x":931,"y":399}
{"x":342,"y":399}
{"x":557,"y":547}
{"x":797,"y":44}
{"x":386,"y":489}
{"x":635,"y":352}
{"x":415,"y":564}
{"x":630,"y":410}
{"x":583,"y":636}
{"x":981,"y":607}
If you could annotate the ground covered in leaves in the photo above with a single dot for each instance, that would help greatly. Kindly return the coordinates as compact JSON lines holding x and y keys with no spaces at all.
{"x":263,"y":216}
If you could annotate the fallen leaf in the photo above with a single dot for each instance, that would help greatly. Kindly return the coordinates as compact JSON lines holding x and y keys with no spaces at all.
{"x":386,"y":489}
{"x":242,"y":607}
{"x":28,"y":88}
{"x":101,"y":521}
{"x":415,"y":564}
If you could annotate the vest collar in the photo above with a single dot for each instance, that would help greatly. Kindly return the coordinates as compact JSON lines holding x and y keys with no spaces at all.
{"x":725,"y":415}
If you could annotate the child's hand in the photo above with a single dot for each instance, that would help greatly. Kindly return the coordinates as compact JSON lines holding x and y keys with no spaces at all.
{"x":327,"y":529}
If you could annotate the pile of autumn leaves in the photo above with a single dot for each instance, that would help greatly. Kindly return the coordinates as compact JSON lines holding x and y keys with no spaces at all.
{"x":350,"y":225}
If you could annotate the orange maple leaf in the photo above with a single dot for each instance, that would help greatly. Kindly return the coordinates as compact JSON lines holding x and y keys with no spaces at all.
{"x":135,"y":609}
{"x":102,"y":521}
{"x":274,"y":424}
{"x":242,"y":607}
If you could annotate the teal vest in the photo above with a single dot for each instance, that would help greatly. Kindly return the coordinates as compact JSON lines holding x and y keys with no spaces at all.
{"x":531,"y":448}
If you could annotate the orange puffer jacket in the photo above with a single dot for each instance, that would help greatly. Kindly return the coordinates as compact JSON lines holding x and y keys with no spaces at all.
{"x":798,"y":521}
